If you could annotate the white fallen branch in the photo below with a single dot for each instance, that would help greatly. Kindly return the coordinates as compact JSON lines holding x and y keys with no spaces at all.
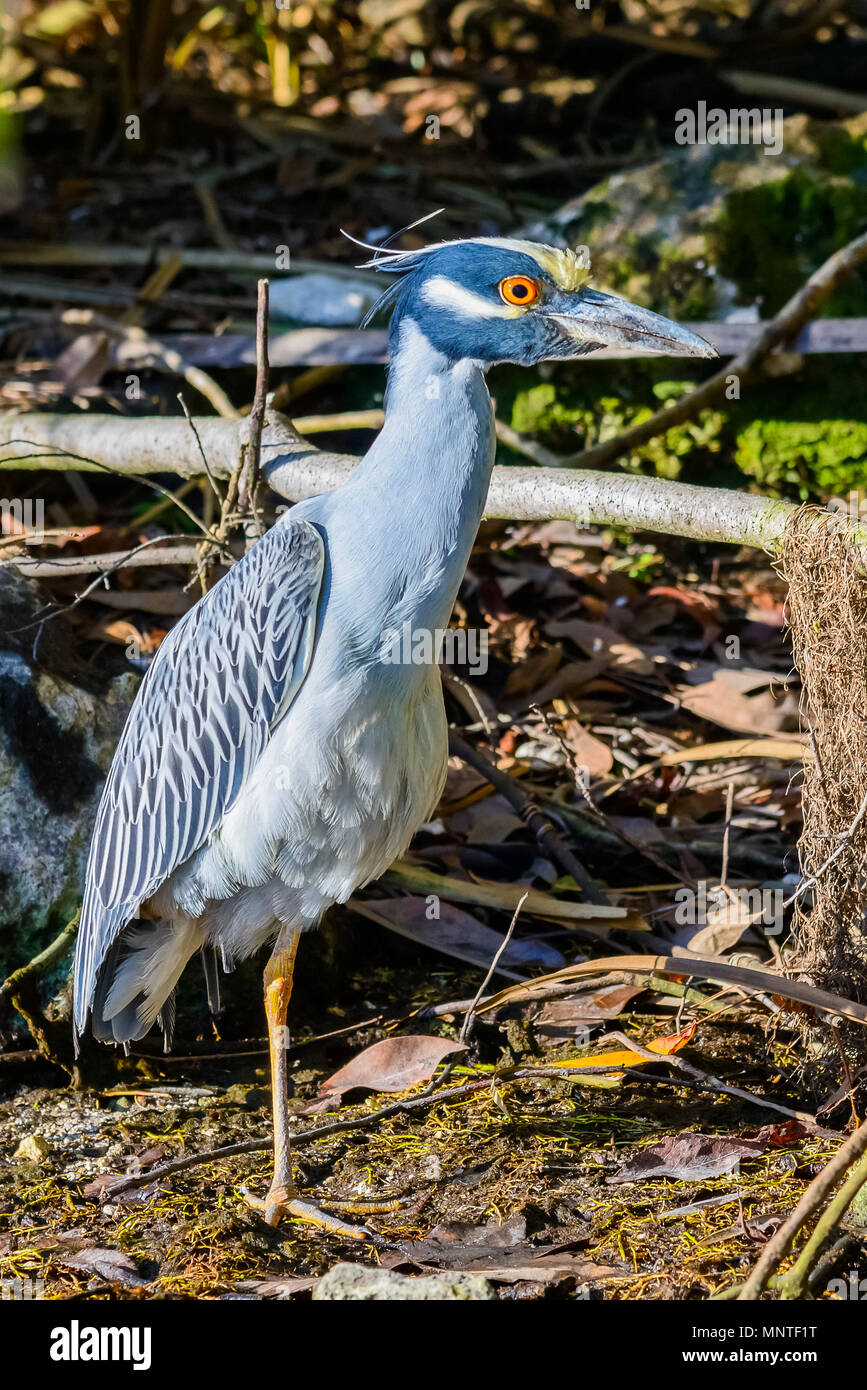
{"x":65,"y":565}
{"x":296,"y":469}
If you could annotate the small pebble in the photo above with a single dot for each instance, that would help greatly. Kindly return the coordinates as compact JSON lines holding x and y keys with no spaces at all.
{"x":33,"y":1149}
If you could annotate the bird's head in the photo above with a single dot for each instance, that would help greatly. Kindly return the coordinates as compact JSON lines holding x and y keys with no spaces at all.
{"x":491,"y":300}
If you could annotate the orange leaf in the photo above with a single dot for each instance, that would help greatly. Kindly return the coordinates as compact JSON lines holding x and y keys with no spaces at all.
{"x":663,"y":1046}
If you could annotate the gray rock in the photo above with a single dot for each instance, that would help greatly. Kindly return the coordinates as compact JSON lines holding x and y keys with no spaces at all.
{"x":329,"y":301}
{"x":709,"y":230}
{"x":361,"y":1283}
{"x":59,"y":724}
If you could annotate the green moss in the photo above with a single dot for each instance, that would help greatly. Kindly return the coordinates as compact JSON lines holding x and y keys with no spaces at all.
{"x":705,"y":228}
{"x":592,"y":404}
{"x":806,"y":434}
{"x":842,"y":149}
{"x":771,"y":236}
{"x":803,"y":435}
{"x":685,"y":283}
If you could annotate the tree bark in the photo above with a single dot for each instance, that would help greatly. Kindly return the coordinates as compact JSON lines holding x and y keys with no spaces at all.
{"x":295,"y":469}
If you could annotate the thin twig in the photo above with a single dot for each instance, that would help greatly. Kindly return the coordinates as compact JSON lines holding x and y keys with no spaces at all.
{"x":470,"y":1016}
{"x":198,"y":438}
{"x":730,"y":796}
{"x":182,"y":552}
{"x":549,"y":838}
{"x":708,"y":1081}
{"x":252,"y":450}
{"x":52,"y":1037}
{"x":107,"y":468}
{"x":307,"y":1136}
{"x":841,"y":848}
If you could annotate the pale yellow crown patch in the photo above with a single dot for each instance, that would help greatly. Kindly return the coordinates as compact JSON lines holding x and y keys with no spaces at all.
{"x":569,"y":269}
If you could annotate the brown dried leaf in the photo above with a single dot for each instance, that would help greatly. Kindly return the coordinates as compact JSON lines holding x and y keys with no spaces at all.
{"x":83,"y":363}
{"x":456,"y":933}
{"x":500,"y":1251}
{"x":560,"y":1019}
{"x":395,"y":1064}
{"x":723,"y":700}
{"x":111,"y":1265}
{"x":588,"y":751}
{"x":97,"y":1185}
{"x":534,"y":671}
{"x":688,"y":1156}
{"x":597,"y":639}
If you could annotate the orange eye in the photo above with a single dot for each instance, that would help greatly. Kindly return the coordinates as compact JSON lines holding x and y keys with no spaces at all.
{"x":519,"y":290}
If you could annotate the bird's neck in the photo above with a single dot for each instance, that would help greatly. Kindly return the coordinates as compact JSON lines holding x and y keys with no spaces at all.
{"x":425,"y":479}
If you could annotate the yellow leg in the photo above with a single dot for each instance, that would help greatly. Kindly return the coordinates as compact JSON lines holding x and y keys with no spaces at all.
{"x":282,"y":1199}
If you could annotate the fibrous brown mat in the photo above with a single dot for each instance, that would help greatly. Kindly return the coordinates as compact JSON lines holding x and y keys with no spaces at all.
{"x":827,"y":611}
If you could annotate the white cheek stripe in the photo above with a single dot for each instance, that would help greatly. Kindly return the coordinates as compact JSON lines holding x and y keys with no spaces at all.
{"x":445,"y":294}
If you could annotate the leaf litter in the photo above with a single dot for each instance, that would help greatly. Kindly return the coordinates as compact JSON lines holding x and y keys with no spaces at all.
{"x":548,"y":1182}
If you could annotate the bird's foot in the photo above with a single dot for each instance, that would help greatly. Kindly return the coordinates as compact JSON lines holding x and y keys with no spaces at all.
{"x":283,"y":1201}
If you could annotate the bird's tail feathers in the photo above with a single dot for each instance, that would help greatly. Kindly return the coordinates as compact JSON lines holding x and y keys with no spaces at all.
{"x":136,"y":983}
{"x":211,"y":970}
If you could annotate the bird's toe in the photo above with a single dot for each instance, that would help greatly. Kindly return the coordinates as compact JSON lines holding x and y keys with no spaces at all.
{"x":282,"y":1202}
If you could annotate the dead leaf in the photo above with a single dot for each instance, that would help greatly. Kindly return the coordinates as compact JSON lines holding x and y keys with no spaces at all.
{"x":599,"y":639}
{"x":275,"y":1286}
{"x":571,"y":679}
{"x":727,"y":920}
{"x":688,"y":1157}
{"x":456,"y":1244}
{"x":395,"y":1064}
{"x":701,"y":607}
{"x":97,"y":1185}
{"x":790,"y":749}
{"x":560,"y":1019}
{"x":622,"y":1058}
{"x":139,"y":1163}
{"x":456,"y":933}
{"x":724,"y":700}
{"x":111,"y":1265}
{"x":782,"y":1134}
{"x":125,"y":633}
{"x":588,"y":752}
{"x":83,"y":363}
{"x":534,"y":670}
{"x":500,"y":1251}
{"x":72,"y":1241}
{"x":489,"y":820}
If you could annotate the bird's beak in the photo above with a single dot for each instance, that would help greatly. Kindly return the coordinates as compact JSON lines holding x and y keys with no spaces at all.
{"x":589,"y":319}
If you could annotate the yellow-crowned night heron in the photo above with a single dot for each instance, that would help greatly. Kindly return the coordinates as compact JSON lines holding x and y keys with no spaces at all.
{"x":274,"y":760}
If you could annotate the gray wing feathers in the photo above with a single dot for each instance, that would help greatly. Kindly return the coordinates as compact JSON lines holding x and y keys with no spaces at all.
{"x":221,"y":680}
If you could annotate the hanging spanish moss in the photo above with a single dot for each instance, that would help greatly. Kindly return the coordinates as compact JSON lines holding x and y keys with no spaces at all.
{"x":828,"y":620}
